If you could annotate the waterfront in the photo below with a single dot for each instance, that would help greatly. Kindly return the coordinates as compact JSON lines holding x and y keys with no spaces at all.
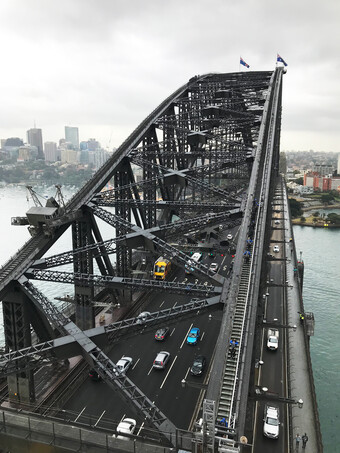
{"x":321,"y":254}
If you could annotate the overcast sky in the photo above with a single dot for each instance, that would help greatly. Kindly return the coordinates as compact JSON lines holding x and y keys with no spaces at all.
{"x":104,"y":65}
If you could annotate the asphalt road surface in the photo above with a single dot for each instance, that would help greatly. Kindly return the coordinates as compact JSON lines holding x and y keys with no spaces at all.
{"x":272,"y":374}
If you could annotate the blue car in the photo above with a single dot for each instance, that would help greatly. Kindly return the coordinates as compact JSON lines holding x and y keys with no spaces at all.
{"x":193,"y":336}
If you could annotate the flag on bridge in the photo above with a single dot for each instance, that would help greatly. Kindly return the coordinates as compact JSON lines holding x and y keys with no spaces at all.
{"x":243,"y":63}
{"x":281,"y":60}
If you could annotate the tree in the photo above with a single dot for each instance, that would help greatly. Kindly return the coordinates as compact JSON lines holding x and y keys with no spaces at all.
{"x":302,"y":219}
{"x":326,"y":198}
{"x":333,"y":218}
{"x":295,"y":207}
{"x":299,"y":181}
{"x":316,"y":214}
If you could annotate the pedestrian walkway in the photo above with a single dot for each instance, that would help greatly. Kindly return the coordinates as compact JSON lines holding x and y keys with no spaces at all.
{"x":301,"y":380}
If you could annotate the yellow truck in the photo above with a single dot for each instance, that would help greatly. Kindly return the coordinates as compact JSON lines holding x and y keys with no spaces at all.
{"x":162,"y":268}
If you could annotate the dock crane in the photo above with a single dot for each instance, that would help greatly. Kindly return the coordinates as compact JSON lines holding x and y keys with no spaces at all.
{"x":39,"y":216}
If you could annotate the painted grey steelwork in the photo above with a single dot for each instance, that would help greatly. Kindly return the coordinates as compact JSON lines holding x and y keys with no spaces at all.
{"x":206,"y":156}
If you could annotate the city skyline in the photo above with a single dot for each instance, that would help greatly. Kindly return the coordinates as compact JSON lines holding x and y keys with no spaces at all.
{"x":104,"y":66}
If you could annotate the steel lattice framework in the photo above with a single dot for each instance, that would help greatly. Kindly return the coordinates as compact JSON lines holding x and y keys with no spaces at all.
{"x":191,"y":160}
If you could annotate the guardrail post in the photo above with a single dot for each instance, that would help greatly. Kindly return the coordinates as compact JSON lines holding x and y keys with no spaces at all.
{"x":29,"y":427}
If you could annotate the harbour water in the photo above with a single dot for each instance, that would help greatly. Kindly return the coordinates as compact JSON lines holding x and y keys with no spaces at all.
{"x":321,"y":254}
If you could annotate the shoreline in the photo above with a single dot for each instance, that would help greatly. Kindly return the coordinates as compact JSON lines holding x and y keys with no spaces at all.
{"x":315,"y":225}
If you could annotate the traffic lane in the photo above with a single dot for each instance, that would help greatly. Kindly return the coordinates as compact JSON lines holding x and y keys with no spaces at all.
{"x":143,"y":350}
{"x":274,"y":308}
{"x":262,"y":443}
{"x":162,"y":387}
{"x":273,"y":364}
{"x":182,"y":414}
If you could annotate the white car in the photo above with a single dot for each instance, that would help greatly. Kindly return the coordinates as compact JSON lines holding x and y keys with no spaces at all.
{"x":229,"y":237}
{"x":276,"y":248}
{"x":273,"y":339}
{"x":126,"y":426}
{"x":271,"y":423}
{"x":124,"y":364}
{"x":277,"y":221}
{"x":142,"y":317}
{"x":213,"y":267}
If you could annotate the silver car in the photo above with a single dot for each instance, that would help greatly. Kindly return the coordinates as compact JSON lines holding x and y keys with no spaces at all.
{"x":142,"y":317}
{"x":124,"y":364}
{"x":161,"y":360}
{"x":213,"y":267}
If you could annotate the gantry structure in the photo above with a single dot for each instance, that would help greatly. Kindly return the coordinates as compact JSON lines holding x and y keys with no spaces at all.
{"x":202,"y":161}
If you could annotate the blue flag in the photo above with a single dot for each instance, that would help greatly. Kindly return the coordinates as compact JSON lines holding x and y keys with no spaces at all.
{"x":242,"y":62}
{"x":281,"y":60}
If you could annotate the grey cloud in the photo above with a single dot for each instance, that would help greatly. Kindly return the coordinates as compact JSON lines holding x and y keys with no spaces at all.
{"x":103,"y":64}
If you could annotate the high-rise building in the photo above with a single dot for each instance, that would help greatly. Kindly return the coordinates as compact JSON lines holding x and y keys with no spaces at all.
{"x":92,"y":144}
{"x":52,"y":153}
{"x":34,"y":138}
{"x":72,"y":136}
{"x":338,"y":170}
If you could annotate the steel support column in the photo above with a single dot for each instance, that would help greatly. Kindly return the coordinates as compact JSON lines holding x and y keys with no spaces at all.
{"x":83,"y":262}
{"x":17,"y":336}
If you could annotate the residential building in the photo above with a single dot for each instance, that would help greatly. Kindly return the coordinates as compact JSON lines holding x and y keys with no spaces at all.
{"x":321,"y":183}
{"x":69,"y":156}
{"x":52,"y":153}
{"x":27,"y":152}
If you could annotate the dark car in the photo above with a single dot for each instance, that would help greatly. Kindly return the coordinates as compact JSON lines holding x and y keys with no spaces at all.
{"x":198,"y":366}
{"x":94,"y":375}
{"x":162,"y":333}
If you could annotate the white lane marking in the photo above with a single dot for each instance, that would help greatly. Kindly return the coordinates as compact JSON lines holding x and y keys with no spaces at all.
{"x":185,"y":337}
{"x":136,"y":363}
{"x":174,"y":305}
{"x":140,"y":429}
{"x":174,"y":279}
{"x":150,"y":370}
{"x":173,"y":330}
{"x":99,"y":419}
{"x":80,"y":414}
{"x":161,"y":304}
{"x":186,"y":374}
{"x":225,"y":256}
{"x":167,"y":374}
{"x":122,"y":418}
{"x":202,"y":335}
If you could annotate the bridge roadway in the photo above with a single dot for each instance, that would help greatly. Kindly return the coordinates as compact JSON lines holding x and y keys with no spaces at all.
{"x":273,"y":372}
{"x":95,"y":403}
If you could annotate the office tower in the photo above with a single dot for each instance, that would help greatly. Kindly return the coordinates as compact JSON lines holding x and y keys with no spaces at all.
{"x":52,"y":153}
{"x":34,"y":138}
{"x":72,"y":136}
{"x":92,"y":144}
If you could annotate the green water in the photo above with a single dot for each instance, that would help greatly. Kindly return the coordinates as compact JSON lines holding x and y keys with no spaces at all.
{"x":321,"y":255}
